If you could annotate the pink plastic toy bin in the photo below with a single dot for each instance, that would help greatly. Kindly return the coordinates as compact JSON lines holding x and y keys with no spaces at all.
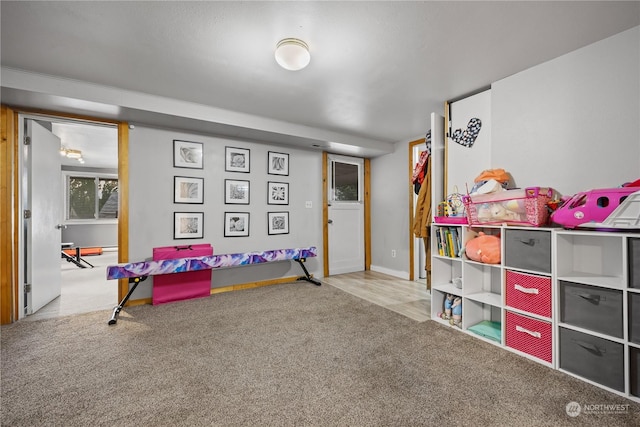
{"x":526,"y":207}
{"x":590,"y":206}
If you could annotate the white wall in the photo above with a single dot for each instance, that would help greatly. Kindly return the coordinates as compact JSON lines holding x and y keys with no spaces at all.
{"x":151,"y":204}
{"x":389,"y":211}
{"x":572,"y":123}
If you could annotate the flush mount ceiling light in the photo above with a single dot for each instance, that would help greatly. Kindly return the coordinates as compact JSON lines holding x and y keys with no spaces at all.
{"x":292,"y":54}
{"x":72,"y":154}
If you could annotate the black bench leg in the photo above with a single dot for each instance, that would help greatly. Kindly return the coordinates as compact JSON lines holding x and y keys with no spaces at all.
{"x":119,"y":307}
{"x":80,"y":259}
{"x":69,"y":258}
{"x":306,"y":276}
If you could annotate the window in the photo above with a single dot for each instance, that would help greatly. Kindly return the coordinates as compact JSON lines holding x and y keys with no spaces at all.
{"x":345,"y":181}
{"x":91,"y":197}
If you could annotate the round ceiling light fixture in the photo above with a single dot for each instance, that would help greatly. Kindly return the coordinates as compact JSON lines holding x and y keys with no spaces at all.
{"x":292,"y":54}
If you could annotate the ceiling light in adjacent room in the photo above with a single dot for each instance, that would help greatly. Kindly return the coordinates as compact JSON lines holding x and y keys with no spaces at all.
{"x":74,"y":154}
{"x":292,"y":54}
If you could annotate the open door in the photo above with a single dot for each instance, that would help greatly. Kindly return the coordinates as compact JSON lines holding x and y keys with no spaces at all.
{"x":42,"y":205}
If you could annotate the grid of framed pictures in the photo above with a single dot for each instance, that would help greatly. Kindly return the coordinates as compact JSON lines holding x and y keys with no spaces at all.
{"x":190,"y":190}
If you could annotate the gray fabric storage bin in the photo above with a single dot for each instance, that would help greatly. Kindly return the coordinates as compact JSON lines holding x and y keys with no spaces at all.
{"x":634,"y":263}
{"x":591,"y":307}
{"x":634,"y":318}
{"x":528,"y":250}
{"x":593,"y":358}
{"x":634,"y":366}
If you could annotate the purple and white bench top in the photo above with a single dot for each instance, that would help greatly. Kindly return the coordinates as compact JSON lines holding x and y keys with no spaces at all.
{"x":181,"y":265}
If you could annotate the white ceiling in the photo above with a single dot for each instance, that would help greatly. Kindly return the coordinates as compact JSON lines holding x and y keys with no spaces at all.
{"x":378,"y":69}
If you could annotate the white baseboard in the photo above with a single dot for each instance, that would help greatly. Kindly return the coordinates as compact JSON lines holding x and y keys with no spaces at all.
{"x":399,"y":274}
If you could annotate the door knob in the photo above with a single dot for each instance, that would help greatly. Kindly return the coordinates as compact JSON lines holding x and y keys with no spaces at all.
{"x":61,"y":226}
{"x":330,"y":221}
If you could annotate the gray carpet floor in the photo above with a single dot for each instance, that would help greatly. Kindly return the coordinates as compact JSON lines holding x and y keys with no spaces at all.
{"x":283,"y":355}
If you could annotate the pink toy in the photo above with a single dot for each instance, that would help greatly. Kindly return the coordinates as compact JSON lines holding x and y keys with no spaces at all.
{"x":591,"y":206}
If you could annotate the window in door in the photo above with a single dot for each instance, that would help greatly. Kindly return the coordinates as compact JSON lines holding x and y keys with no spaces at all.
{"x":345,"y":182}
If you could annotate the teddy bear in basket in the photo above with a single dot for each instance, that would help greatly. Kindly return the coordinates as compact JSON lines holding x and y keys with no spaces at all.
{"x":484,"y":248}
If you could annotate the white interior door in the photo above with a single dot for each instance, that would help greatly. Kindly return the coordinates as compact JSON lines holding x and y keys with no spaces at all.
{"x":44,"y":201}
{"x":346,"y":214}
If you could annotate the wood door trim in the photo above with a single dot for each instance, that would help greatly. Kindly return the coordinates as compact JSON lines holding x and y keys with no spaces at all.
{"x":10,"y":197}
{"x":325,"y":214}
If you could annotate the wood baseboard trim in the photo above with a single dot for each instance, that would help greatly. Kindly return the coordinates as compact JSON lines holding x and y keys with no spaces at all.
{"x":239,"y":287}
{"x":252,"y":285}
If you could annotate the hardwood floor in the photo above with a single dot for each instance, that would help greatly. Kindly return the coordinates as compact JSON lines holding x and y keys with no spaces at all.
{"x":405,"y":297}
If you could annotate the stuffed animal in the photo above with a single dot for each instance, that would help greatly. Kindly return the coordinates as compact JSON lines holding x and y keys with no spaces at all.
{"x":456,"y":312}
{"x":495,"y":212}
{"x":484,"y":248}
{"x":447,"y":304}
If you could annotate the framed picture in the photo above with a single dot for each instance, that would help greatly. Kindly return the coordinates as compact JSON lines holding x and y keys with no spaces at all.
{"x":188,"y":190}
{"x":187,"y":154}
{"x":278,"y":164}
{"x":236,"y":159}
{"x":236,"y":192}
{"x":236,"y":224}
{"x":278,"y":222}
{"x":277,"y":193}
{"x":188,"y":225}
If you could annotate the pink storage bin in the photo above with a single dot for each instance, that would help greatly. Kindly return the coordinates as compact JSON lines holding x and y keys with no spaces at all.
{"x":181,"y":286}
{"x":528,"y":335}
{"x":527,"y":207}
{"x":528,"y":292}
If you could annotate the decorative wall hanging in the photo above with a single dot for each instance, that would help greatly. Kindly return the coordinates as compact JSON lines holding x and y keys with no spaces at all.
{"x":236,"y":192}
{"x":277,"y":193}
{"x":236,"y":224}
{"x":187,"y":154}
{"x":188,"y":190}
{"x":278,"y":222}
{"x":278,"y":163}
{"x":188,"y":225}
{"x":237,"y":160}
{"x":469,"y":151}
{"x":467,"y":137}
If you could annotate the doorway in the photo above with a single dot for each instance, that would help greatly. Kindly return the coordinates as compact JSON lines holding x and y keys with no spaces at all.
{"x":82,"y":159}
{"x":419,"y":252}
{"x":345,"y":214}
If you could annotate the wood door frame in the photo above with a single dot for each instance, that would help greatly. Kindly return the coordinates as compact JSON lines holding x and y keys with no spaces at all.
{"x":325,"y":213}
{"x":10,"y":197}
